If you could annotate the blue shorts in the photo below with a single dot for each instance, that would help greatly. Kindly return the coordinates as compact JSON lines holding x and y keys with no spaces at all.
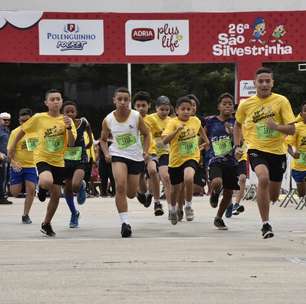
{"x":25,"y":174}
{"x":298,"y":176}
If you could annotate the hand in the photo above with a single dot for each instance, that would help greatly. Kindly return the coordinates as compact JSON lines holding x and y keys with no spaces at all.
{"x":229,"y":128}
{"x":67,"y":121}
{"x":204,"y":146}
{"x":296,"y":154}
{"x":16,"y":166}
{"x":2,"y":156}
{"x":179,"y":128}
{"x":145,"y":156}
{"x":238,"y":152}
{"x":271,"y":124}
{"x":108,"y":158}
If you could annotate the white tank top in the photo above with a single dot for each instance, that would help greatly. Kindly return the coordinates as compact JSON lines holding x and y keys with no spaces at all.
{"x":126,"y":137}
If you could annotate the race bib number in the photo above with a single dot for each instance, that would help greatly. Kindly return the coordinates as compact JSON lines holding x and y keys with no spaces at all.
{"x":222,"y":146}
{"x":54,"y":143}
{"x":302,"y":158}
{"x":125,"y":140}
{"x":188,"y":147}
{"x":73,"y":153}
{"x":31,"y":143}
{"x":263,"y":132}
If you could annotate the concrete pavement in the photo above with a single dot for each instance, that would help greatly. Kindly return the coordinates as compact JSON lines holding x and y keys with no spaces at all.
{"x":187,"y":263}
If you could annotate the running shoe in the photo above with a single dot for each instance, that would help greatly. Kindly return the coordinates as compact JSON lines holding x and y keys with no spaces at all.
{"x":189,"y":214}
{"x":148,"y":199}
{"x":237,"y":209}
{"x":173,"y":217}
{"x":267,"y":231}
{"x":214,"y":198}
{"x":47,"y":230}
{"x":158,"y":209}
{"x":74,"y":220}
{"x":42,"y":194}
{"x":229,"y":211}
{"x":126,"y":230}
{"x":26,"y":219}
{"x":81,"y":195}
{"x":219,"y":223}
{"x":5,"y":201}
{"x":180,"y":214}
{"x":142,"y":198}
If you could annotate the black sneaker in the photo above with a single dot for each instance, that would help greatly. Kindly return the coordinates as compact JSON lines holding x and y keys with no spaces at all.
{"x":237,"y":209}
{"x":267,"y":231}
{"x":149,"y":200}
{"x":42,"y":194}
{"x":126,"y":230}
{"x":26,"y":219}
{"x":5,"y":201}
{"x":47,"y":229}
{"x":219,"y":223}
{"x":142,"y":198}
{"x":214,"y":198}
{"x":180,"y":214}
{"x":158,"y":209}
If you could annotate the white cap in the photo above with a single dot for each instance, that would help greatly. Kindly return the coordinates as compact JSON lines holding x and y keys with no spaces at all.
{"x":5,"y":115}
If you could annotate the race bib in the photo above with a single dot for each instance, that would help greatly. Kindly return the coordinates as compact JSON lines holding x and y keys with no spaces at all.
{"x":31,"y":143}
{"x":125,"y":140}
{"x":263,"y":132}
{"x":302,"y":158}
{"x":188,"y":147}
{"x":54,"y":143}
{"x":222,"y":146}
{"x":73,"y":153}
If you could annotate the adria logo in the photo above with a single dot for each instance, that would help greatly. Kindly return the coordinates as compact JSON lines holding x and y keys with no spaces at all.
{"x":143,"y":34}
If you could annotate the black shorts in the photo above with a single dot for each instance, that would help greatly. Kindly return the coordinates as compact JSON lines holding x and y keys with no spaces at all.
{"x":242,"y":167}
{"x":176,"y":174}
{"x":70,"y":169}
{"x":163,"y":160}
{"x":227,"y":173}
{"x":134,"y":167}
{"x":275,"y":163}
{"x":199,"y":177}
{"x":58,"y":173}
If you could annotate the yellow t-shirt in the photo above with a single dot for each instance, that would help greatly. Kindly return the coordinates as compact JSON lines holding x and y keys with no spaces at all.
{"x":24,"y":149}
{"x":157,"y":126}
{"x":152,"y":147}
{"x":91,"y":151}
{"x":298,"y":140}
{"x":52,"y":138}
{"x":185,"y":145}
{"x":253,"y":114}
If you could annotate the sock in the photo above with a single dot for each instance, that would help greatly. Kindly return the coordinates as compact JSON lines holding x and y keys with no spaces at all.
{"x":188,"y":204}
{"x":266,"y":222}
{"x":124,"y":217}
{"x":70,"y":203}
{"x":169,"y":206}
{"x":173,"y":208}
{"x":156,"y":202}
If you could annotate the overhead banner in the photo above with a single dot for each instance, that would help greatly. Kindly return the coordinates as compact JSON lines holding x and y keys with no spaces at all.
{"x":152,"y":37}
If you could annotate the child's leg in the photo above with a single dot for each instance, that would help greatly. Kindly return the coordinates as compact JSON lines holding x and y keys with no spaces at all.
{"x":30,"y":190}
{"x":55,"y":192}
{"x":77,"y":179}
{"x":120,"y":176}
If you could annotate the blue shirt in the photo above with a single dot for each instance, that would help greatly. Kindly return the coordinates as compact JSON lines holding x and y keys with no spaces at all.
{"x":4,"y":137}
{"x":221,"y":141}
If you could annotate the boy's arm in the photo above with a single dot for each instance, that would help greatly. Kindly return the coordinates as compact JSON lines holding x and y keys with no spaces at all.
{"x":144,"y":131}
{"x":89,"y":132}
{"x":12,"y":148}
{"x":167,"y":138}
{"x":103,"y":141}
{"x":204,"y":138}
{"x":69,"y":125}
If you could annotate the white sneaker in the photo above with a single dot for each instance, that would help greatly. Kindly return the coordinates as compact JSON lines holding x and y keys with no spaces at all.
{"x":189,"y":213}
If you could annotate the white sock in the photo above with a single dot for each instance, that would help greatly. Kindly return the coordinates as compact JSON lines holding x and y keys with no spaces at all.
{"x":147,"y":193}
{"x":169,"y":206}
{"x":173,"y":208}
{"x":266,"y":222}
{"x":124,"y":217}
{"x":188,"y":204}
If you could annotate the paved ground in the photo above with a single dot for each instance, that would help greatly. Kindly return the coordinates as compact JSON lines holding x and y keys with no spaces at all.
{"x":187,"y":263}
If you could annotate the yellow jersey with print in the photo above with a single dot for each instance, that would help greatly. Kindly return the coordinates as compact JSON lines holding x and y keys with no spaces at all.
{"x":254,"y":112}
{"x":152,"y":147}
{"x":157,"y":126}
{"x":90,"y":151}
{"x":52,"y":137}
{"x":185,"y":145}
{"x":24,"y":149}
{"x":298,"y":140}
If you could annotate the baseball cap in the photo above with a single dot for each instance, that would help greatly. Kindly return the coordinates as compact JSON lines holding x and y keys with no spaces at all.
{"x":5,"y":115}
